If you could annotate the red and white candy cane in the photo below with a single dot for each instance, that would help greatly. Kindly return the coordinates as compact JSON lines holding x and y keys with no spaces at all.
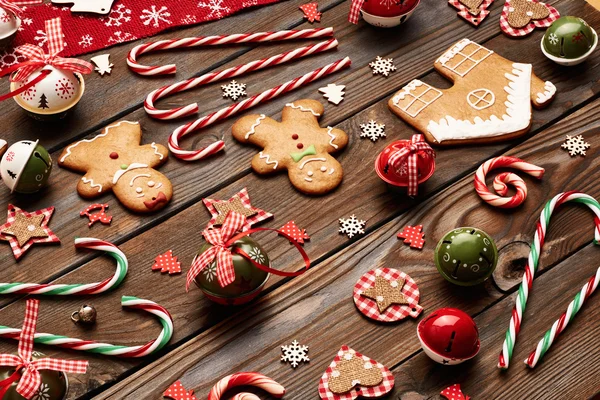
{"x":506,"y":178}
{"x":191,"y":155}
{"x":246,"y":379}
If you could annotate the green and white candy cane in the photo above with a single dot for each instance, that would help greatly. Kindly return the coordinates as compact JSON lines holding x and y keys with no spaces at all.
{"x":76,"y":289}
{"x":105,"y":348}
{"x":530,"y":270}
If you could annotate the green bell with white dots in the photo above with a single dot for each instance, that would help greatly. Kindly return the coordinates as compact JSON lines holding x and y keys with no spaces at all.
{"x":466,"y":256}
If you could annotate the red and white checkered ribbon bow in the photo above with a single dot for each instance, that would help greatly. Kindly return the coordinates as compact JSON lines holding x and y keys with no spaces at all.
{"x":355,"y":8}
{"x":28,"y":369}
{"x":38,"y":58}
{"x":219,"y":238}
{"x":410,"y":153}
{"x":13,"y":6}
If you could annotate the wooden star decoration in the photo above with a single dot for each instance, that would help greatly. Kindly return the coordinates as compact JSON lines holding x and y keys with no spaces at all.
{"x":257,"y":215}
{"x":234,"y":204}
{"x":23,"y":229}
{"x":386,"y":293}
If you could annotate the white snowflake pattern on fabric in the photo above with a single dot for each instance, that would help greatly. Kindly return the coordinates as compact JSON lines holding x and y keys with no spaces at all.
{"x":216,"y":8}
{"x":294,"y":354}
{"x":41,"y":38}
{"x":118,"y":16}
{"x":8,"y":59}
{"x":575,"y":145}
{"x":86,"y":41}
{"x":155,"y":17}
{"x":382,"y":66}
{"x":234,"y":90}
{"x":120,"y":37}
{"x":372,"y":130}
{"x":189,"y":19}
{"x":210,"y":272}
{"x":25,"y":21}
{"x":352,"y":226}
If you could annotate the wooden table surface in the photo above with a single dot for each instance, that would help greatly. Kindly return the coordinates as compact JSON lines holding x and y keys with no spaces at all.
{"x":212,"y":341}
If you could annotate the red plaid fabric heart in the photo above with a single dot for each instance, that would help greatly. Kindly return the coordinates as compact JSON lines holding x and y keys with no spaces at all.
{"x":410,"y":154}
{"x":526,"y":30}
{"x":26,"y":367}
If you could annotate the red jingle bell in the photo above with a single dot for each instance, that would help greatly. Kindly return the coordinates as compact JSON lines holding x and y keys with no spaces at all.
{"x":449,"y":336}
{"x":406,"y":163}
{"x":389,"y":8}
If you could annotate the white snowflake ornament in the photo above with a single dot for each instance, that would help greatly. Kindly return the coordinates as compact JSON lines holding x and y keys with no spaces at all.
{"x":234,"y":90}
{"x":333,"y":93}
{"x":575,"y":145}
{"x":103,"y":64}
{"x":372,"y":130}
{"x":352,"y":226}
{"x":294,"y":354}
{"x":382,"y":66}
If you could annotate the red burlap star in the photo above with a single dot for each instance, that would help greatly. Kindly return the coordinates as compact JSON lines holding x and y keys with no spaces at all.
{"x":167,"y":263}
{"x":22,"y":229}
{"x":177,"y":392}
{"x":310,"y":12}
{"x":258,"y":215}
{"x":454,"y":393}
{"x":299,"y":235}
{"x":412,"y":235}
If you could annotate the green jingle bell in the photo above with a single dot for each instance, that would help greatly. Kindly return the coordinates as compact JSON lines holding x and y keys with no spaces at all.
{"x":54,"y":385}
{"x":466,"y":256}
{"x":249,"y":279}
{"x":25,"y":167}
{"x":569,"y":39}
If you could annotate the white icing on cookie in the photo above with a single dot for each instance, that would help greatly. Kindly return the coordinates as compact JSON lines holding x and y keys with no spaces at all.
{"x":252,"y":130}
{"x":303,"y":109}
{"x":139,"y":176}
{"x":407,"y":92}
{"x":120,"y":172}
{"x":308,"y":179}
{"x":91,"y":140}
{"x":475,"y":57}
{"x":480,"y":99}
{"x":331,"y":171}
{"x":549,"y":91}
{"x":267,"y":159}
{"x":516,"y":118}
{"x":92,"y":184}
{"x":309,"y":160}
{"x":332,"y":136}
{"x":155,"y":148}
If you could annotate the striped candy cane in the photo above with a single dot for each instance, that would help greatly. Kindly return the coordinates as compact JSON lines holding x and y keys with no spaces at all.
{"x":76,"y":289}
{"x":246,"y":379}
{"x":501,"y":181}
{"x":560,"y":324}
{"x":104,"y":348}
{"x":149,"y":104}
{"x":532,"y":266}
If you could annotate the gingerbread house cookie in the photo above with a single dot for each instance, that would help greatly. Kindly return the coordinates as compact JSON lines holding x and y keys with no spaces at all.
{"x":490,"y":101}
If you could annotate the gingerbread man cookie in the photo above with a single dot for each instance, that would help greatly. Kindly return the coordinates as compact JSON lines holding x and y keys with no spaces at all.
{"x":489,"y":102}
{"x":115,"y":160}
{"x":297,"y":144}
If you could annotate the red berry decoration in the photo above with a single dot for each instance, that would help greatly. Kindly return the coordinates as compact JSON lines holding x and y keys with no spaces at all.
{"x":449,"y":336}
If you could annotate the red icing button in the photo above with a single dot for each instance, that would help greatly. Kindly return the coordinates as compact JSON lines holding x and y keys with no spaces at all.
{"x":114,"y":155}
{"x":299,"y":145}
{"x":294,"y":136}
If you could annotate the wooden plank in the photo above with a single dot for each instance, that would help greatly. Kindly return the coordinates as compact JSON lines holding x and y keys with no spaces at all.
{"x":569,"y":370}
{"x":318,"y":304}
{"x":111,"y":97}
{"x":191,"y":184}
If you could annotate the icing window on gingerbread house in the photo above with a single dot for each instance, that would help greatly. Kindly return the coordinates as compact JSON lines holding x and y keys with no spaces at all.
{"x":481,"y":99}
{"x":465,"y":56}
{"x":415,"y":97}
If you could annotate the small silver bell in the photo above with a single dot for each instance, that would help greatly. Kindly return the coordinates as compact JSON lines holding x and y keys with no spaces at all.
{"x":85,"y":315}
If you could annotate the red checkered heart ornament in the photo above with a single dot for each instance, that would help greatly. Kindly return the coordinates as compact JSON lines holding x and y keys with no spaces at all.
{"x":352,"y":375}
{"x":387,"y":295}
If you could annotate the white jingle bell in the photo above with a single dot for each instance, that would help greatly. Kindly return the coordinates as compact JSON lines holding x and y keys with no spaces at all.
{"x":54,"y":95}
{"x":9,"y":25}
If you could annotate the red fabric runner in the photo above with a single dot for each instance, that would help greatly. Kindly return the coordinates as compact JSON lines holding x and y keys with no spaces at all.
{"x":129,"y":20}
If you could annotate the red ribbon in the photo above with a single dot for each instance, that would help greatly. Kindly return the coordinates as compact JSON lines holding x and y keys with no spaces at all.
{"x":37,"y":59}
{"x":13,"y":6}
{"x":410,"y":154}
{"x":27,"y":369}
{"x":222,"y":240}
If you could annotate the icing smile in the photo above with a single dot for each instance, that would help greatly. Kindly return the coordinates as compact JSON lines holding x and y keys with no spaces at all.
{"x":159,"y":199}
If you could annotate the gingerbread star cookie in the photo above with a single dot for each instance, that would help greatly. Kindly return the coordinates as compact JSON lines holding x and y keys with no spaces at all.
{"x":240,"y":202}
{"x":490,"y":100}
{"x":23,"y":229}
{"x":115,"y":160}
{"x":386,"y":293}
{"x":296,"y":144}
